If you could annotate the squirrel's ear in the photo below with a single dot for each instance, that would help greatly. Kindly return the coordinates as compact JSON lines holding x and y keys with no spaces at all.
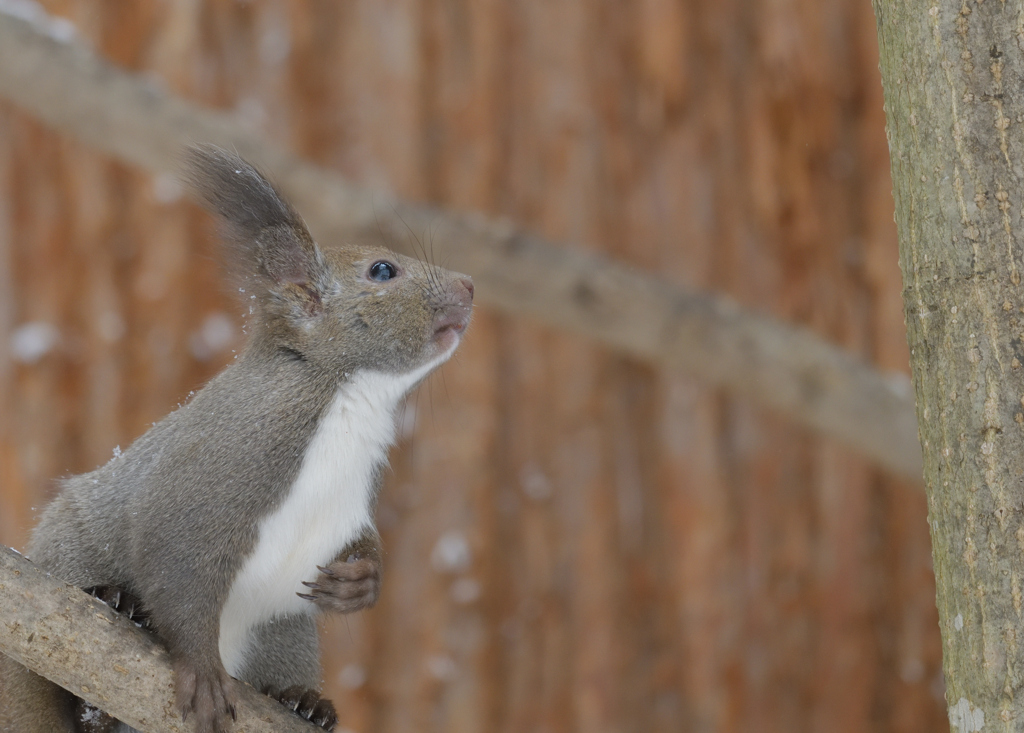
{"x":268,"y":236}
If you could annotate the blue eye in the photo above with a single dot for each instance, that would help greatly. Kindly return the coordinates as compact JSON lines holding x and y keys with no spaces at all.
{"x":381,"y":271}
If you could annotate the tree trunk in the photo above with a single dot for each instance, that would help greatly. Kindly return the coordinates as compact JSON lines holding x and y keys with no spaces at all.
{"x":953,"y":76}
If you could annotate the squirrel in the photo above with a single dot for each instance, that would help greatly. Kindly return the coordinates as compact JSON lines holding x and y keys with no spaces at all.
{"x":250,"y":508}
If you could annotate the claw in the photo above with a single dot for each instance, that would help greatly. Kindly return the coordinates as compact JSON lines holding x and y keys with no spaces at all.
{"x":307,"y":704}
{"x":123,"y":602}
{"x":306,"y":596}
{"x":327,"y":571}
{"x":310,"y":584}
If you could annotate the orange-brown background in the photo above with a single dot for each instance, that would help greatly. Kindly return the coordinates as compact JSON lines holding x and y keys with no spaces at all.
{"x":575,"y":541}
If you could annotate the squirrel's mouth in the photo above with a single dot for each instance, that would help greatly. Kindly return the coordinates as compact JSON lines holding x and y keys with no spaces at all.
{"x":450,"y":323}
{"x":449,"y":327}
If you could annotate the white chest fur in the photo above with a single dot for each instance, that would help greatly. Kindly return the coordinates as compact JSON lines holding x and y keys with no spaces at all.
{"x":327,"y":507}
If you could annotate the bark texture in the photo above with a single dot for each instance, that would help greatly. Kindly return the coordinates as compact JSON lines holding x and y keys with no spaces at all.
{"x":953,"y":74}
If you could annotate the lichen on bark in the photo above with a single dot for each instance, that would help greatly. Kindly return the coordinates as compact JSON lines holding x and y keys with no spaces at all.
{"x":953,"y":74}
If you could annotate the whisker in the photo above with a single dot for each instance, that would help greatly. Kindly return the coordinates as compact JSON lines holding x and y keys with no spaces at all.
{"x":444,"y":383}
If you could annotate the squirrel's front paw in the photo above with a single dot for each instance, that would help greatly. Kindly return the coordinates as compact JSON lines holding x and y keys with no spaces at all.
{"x":123,"y":602}
{"x":205,"y":696}
{"x":346,"y":586}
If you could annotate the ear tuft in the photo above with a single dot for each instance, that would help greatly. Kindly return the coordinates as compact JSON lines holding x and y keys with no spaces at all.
{"x":269,"y":237}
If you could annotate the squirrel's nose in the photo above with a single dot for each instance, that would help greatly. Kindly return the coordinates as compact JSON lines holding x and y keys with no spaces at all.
{"x":456,"y":313}
{"x":467,"y":283}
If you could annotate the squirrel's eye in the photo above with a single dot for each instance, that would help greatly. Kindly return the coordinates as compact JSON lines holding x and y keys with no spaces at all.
{"x":381,"y":271}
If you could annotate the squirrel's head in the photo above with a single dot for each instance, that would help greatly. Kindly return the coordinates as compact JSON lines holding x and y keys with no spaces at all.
{"x":343,"y":308}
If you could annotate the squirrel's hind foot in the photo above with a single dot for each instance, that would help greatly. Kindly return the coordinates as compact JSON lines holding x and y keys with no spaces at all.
{"x":307,"y":703}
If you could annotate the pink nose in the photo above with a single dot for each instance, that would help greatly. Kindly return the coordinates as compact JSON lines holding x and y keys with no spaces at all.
{"x":467,"y":283}
{"x":455,"y":315}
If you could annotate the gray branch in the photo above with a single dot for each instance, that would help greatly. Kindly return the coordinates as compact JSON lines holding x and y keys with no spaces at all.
{"x":82,"y":645}
{"x":708,"y":337}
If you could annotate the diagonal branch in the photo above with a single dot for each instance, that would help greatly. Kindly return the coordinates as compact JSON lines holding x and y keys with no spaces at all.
{"x":708,"y":337}
{"x":76,"y":641}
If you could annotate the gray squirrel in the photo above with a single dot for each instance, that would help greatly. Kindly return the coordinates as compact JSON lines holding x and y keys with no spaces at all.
{"x":250,"y":507}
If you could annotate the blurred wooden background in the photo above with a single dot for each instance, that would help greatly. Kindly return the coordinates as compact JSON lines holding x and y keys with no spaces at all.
{"x":575,"y":541}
